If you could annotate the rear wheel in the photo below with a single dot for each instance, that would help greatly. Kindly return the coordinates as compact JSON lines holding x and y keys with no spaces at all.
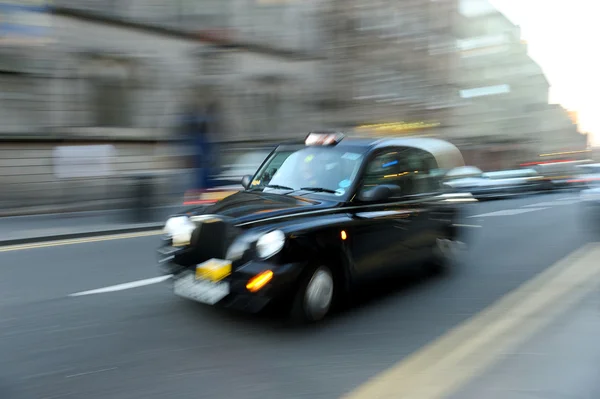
{"x":314,"y":296}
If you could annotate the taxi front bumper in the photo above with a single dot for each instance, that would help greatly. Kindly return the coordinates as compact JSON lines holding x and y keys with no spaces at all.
{"x":278,"y":291}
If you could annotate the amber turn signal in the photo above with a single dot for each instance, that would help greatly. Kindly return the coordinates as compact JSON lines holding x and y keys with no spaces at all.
{"x":259,"y":281}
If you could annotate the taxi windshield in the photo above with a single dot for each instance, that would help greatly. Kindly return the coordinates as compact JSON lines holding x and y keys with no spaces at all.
{"x":326,"y":170}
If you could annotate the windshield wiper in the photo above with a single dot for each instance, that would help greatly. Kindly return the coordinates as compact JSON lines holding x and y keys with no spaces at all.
{"x":278,"y":187}
{"x":319,"y":190}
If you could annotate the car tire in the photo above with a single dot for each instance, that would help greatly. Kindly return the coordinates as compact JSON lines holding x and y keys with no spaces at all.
{"x":314,"y":297}
{"x":446,"y":254}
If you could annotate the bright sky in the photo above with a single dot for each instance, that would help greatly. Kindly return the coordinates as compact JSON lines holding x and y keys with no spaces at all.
{"x":562,"y":37}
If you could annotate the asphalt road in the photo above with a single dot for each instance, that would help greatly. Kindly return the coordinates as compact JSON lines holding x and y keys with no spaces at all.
{"x":145,"y":343}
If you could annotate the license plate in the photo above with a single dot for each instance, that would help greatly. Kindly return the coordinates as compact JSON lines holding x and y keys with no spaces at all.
{"x":200,"y":290}
{"x":213,"y":270}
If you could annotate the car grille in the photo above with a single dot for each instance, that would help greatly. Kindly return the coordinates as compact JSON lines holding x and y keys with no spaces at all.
{"x":211,"y":240}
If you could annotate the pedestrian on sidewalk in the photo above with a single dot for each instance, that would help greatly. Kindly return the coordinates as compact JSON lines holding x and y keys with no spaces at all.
{"x":214,"y":129}
{"x":198,"y":150}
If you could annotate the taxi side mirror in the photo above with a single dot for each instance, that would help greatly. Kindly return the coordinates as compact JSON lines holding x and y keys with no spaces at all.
{"x":246,"y":180}
{"x":379,"y":193}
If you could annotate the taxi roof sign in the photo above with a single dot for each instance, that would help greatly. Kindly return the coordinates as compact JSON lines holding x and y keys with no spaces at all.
{"x":324,"y":138}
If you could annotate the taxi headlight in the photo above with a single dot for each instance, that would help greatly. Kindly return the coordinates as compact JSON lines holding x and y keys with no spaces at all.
{"x":270,"y":243}
{"x":180,"y":229}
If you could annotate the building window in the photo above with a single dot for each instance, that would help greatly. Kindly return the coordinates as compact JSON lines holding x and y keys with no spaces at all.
{"x":110,"y":89}
{"x":485,"y":91}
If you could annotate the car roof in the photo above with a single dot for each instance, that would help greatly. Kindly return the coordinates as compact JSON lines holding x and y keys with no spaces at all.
{"x":365,"y":143}
{"x":447,"y":155}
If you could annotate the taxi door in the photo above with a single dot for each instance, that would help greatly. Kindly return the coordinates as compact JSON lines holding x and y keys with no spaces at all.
{"x":381,"y":230}
{"x":423,"y":186}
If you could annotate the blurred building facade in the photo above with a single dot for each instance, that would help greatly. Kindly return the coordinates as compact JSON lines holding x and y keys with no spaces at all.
{"x":120,"y":72}
{"x":102,"y":78}
{"x":391,"y":61}
{"x":327,"y":62}
{"x":574,"y":115}
{"x":506,"y":117}
{"x":322,"y":62}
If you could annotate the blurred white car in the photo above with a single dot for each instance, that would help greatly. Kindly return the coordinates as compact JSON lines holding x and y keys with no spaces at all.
{"x":464,"y":178}
{"x":229,"y":181}
{"x":496,"y":184}
{"x":591,"y":179}
{"x":463,"y":172}
{"x":246,"y":164}
{"x":590,"y":198}
{"x":588,"y":177}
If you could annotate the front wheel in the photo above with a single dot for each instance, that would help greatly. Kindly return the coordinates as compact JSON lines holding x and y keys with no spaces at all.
{"x":446,"y":253}
{"x":314,"y":297}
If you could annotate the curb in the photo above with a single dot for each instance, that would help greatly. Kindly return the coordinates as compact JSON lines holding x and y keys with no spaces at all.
{"x":83,"y":234}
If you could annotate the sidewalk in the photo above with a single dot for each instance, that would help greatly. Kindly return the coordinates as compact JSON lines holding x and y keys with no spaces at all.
{"x":23,"y":229}
{"x":562,"y":361}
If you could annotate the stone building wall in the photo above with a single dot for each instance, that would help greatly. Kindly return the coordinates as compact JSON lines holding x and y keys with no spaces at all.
{"x":392,"y":61}
{"x":505,"y":93}
{"x":28,"y":178}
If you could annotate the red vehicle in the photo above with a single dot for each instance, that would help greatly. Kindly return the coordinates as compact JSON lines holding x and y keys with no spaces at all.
{"x":209,"y":196}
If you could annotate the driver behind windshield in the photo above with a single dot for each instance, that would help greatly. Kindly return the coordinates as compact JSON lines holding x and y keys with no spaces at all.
{"x":320,"y":170}
{"x":316,"y":168}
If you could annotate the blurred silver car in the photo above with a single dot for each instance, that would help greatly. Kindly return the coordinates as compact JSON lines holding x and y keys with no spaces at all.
{"x":245,"y":164}
{"x":564,"y":175}
{"x":496,"y":184}
{"x":229,"y":181}
{"x":590,"y":198}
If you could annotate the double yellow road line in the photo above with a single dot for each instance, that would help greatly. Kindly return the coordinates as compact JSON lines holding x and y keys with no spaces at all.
{"x":72,"y":241}
{"x":443,"y":367}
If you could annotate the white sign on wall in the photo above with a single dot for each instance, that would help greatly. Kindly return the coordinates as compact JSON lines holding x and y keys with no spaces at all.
{"x":83,"y":161}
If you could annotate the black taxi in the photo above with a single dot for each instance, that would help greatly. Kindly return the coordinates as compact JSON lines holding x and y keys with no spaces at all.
{"x":318,"y":218}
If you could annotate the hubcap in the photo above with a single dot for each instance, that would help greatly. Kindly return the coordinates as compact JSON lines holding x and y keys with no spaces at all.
{"x":319,"y":293}
{"x":450,"y":249}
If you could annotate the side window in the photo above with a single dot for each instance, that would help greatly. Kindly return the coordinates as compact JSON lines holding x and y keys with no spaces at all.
{"x":411,"y":169}
{"x":424,"y":172}
{"x":387,"y":168}
{"x":264,"y":176}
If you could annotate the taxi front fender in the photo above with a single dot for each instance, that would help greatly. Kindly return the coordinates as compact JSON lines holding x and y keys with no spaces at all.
{"x":322,"y":248}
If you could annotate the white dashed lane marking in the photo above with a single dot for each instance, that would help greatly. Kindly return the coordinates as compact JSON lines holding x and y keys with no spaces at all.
{"x":540,"y":204}
{"x":507,"y":212}
{"x":569,"y":199}
{"x":531,"y":207}
{"x":125,"y":286}
{"x":553,"y":203}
